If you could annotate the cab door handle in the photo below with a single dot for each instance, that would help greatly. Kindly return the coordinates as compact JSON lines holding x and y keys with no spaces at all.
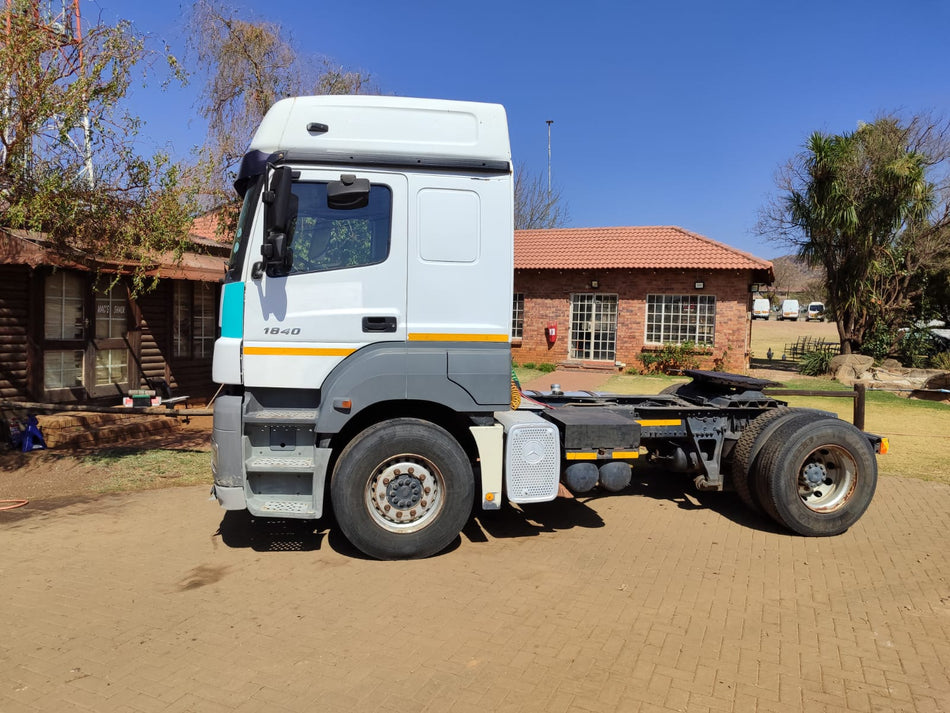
{"x":379,"y":324}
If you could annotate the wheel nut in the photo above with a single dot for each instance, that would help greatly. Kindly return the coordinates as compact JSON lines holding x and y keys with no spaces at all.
{"x":412,"y":513}
{"x":387,"y":507}
{"x":411,"y":471}
{"x":397,"y":471}
{"x":424,"y":504}
{"x":428,"y":490}
{"x":399,"y":513}
{"x":385,"y":481}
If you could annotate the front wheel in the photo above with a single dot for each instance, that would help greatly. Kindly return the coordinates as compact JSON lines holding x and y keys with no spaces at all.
{"x":402,"y":489}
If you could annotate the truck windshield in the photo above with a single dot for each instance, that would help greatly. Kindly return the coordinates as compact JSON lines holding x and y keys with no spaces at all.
{"x":242,"y":231}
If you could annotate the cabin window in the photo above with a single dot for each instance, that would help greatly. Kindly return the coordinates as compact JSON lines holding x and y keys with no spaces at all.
{"x":194,"y":320}
{"x":64,"y":329}
{"x":62,"y":368}
{"x":324,"y":238}
{"x":111,"y":313}
{"x":110,"y":348}
{"x":65,"y":318}
{"x":112,"y":366}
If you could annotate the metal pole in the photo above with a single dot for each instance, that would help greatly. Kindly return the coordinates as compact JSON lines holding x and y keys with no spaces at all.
{"x":549,"y":122}
{"x":86,"y":128}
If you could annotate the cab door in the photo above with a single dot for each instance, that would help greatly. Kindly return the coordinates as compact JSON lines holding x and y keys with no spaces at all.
{"x":345,"y":286}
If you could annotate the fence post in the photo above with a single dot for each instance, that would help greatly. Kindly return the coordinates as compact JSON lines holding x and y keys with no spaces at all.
{"x":860,"y":391}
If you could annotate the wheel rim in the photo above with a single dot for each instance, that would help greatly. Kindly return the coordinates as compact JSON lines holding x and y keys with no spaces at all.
{"x":405,"y":493}
{"x":827,"y":478}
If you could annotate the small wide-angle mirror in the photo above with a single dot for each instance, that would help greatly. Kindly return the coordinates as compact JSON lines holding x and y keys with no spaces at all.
{"x":349,"y":193}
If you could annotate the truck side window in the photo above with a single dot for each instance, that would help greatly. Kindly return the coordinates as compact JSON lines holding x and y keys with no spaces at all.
{"x":324,"y":238}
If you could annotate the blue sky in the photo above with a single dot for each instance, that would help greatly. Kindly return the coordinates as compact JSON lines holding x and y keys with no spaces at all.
{"x":665,"y":113}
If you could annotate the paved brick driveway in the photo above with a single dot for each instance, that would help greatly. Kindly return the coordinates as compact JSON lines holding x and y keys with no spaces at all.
{"x":653,"y":600}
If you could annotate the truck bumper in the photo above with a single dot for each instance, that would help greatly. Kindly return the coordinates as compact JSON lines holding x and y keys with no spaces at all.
{"x":229,"y":498}
{"x":227,"y":465}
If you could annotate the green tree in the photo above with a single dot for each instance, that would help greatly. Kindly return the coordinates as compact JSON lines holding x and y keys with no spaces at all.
{"x":70,"y":170}
{"x":863,"y":207}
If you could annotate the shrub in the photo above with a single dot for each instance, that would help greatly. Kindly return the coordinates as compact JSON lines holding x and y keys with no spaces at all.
{"x":913,"y":347}
{"x":816,"y":363}
{"x":879,"y":342}
{"x":671,"y":359}
{"x":544,"y":368}
{"x":941,"y":361}
{"x":916,"y":348}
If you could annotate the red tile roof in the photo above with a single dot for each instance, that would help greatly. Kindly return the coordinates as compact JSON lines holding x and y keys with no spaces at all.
{"x":22,"y":247}
{"x":638,"y":247}
{"x":205,"y":227}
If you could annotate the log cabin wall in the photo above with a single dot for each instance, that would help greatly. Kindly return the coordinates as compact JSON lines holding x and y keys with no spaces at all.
{"x":150,"y":337}
{"x":16,"y":288}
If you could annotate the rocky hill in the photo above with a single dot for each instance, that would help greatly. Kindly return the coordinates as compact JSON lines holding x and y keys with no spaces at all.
{"x":794,"y":277}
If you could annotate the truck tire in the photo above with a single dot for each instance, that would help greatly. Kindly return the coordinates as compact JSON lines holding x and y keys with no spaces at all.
{"x":817,"y":477}
{"x":747,"y":448}
{"x":402,"y":489}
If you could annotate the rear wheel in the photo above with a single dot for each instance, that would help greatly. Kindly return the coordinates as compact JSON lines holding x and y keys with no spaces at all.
{"x":402,"y":489}
{"x":748,"y":447}
{"x":817,"y":478}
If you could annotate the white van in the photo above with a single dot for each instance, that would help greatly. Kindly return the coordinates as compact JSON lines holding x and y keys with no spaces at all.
{"x":761,"y":308}
{"x":816,"y":310}
{"x":789,"y":310}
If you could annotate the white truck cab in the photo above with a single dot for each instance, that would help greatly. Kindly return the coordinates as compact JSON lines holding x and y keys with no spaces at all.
{"x":367,"y":306}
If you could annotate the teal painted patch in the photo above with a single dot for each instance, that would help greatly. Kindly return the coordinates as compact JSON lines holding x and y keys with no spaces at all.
{"x":232,"y":310}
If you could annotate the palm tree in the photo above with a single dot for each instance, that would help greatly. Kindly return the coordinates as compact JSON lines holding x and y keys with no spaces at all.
{"x":861,"y":208}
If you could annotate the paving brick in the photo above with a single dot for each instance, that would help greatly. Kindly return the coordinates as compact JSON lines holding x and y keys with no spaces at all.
{"x":667,"y":605}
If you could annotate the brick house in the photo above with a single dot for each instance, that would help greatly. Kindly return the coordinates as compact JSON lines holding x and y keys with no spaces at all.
{"x":614,"y":293}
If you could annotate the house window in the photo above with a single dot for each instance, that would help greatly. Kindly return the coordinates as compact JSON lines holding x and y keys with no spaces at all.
{"x":681,"y":318}
{"x":110,"y":350}
{"x":111,"y":317}
{"x":112,"y":366}
{"x":181,"y":320}
{"x":64,"y":307}
{"x":204,"y":321}
{"x":593,"y":327}
{"x":64,"y":329}
{"x":194,"y":320}
{"x":517,"y":316}
{"x":62,"y":368}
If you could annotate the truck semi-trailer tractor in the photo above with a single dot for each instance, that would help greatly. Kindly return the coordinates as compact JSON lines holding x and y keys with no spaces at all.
{"x":365,"y":359}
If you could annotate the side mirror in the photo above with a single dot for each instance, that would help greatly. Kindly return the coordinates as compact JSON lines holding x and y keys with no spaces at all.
{"x":280,"y":212}
{"x":349,"y":193}
{"x":277,"y":200}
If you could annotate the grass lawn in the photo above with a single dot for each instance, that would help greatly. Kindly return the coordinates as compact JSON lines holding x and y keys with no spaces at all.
{"x":140,"y":469}
{"x":774,"y":335}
